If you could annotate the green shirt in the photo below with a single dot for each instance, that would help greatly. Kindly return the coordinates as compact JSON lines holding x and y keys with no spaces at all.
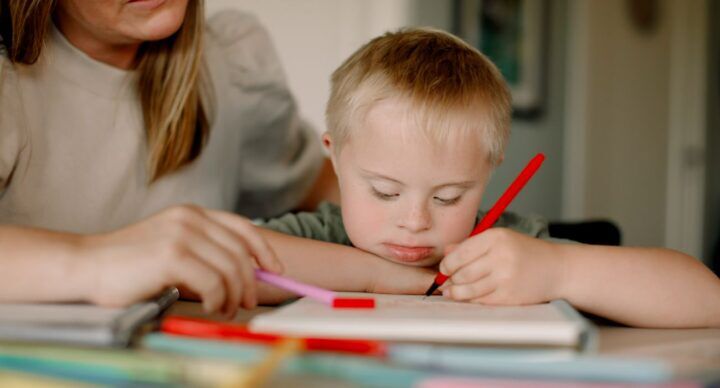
{"x":326,"y":224}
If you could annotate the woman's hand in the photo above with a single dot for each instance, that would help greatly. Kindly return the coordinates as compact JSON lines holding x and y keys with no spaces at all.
{"x":210,"y":253}
{"x":503,"y":267}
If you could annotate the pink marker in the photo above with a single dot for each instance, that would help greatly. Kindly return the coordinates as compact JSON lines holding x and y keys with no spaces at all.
{"x":320,"y":294}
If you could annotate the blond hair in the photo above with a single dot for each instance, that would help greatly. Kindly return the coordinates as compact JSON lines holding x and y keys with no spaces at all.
{"x":174,"y":92}
{"x":448,"y":84}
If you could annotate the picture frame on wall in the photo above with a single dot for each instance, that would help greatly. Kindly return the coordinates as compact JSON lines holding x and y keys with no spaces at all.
{"x":512,"y":33}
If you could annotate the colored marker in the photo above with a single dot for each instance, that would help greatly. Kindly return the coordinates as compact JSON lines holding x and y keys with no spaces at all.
{"x":206,"y":329}
{"x":491,"y":216}
{"x":320,"y":294}
{"x":287,"y":348}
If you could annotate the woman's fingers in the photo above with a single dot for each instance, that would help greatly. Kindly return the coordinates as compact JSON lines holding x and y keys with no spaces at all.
{"x":230,"y":238}
{"x":225,"y":263}
{"x":240,"y":245}
{"x":249,"y":293}
{"x":201,"y":279}
{"x":224,"y":243}
{"x":254,"y":242}
{"x":236,"y":248}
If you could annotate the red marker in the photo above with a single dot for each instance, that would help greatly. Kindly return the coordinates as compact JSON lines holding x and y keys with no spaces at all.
{"x":206,"y":329}
{"x":320,"y":294}
{"x":497,"y":209}
{"x":353,"y":303}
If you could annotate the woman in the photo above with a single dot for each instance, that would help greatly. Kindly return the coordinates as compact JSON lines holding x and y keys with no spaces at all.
{"x":112,"y":113}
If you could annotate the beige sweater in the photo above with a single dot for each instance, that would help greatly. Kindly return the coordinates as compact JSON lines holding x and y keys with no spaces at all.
{"x":73,"y":149}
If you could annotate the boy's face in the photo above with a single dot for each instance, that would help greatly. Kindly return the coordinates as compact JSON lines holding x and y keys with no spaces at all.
{"x":404,"y":198}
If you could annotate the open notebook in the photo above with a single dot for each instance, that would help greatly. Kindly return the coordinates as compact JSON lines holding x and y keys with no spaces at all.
{"x":76,"y":323}
{"x":434,"y":319}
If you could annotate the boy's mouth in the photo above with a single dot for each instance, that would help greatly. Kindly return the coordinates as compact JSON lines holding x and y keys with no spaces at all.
{"x":409,"y":254}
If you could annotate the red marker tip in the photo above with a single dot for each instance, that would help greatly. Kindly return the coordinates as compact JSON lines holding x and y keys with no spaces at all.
{"x":353,"y":303}
{"x":440,"y":279}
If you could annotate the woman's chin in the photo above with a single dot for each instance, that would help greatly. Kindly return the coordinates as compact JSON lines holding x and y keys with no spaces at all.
{"x":158,"y":30}
{"x":159,"y":24}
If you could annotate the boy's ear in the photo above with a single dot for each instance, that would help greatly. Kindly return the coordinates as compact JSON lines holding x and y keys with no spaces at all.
{"x":329,"y":146}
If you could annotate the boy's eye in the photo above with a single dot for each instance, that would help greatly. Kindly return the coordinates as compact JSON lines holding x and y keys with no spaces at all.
{"x":384,"y":196}
{"x":446,"y":201}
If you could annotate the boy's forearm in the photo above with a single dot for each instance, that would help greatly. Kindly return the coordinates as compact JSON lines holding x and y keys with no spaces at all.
{"x":643,"y":287}
{"x":339,"y":268}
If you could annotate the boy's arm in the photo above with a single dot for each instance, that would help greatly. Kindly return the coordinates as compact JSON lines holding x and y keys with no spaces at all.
{"x":340,"y":268}
{"x":644,"y":287}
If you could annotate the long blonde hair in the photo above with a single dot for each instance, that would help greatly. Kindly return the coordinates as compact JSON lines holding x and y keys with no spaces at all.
{"x":173,"y":87}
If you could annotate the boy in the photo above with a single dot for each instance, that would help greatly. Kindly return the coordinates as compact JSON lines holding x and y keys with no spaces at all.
{"x":417,"y":121}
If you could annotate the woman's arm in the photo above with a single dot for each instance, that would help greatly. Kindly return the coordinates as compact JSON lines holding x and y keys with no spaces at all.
{"x":39,"y":265}
{"x":340,"y":268}
{"x":208,"y":252}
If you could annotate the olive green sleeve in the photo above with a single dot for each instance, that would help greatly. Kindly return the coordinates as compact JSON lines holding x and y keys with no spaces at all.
{"x":324,"y":224}
{"x":532,"y":225}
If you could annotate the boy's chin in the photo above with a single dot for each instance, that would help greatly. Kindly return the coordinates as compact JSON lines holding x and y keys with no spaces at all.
{"x":427,"y":262}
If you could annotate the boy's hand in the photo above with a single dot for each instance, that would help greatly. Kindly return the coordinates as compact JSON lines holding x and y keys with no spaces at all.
{"x":503,"y":267}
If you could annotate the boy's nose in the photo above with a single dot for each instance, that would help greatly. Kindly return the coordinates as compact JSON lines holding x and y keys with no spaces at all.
{"x":416,"y":219}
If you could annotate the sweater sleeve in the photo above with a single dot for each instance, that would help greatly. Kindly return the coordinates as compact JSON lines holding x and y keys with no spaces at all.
{"x":531,"y":225}
{"x":12,"y":133}
{"x":280,"y":154}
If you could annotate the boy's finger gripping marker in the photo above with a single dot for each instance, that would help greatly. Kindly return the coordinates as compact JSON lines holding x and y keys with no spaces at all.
{"x":497,"y":209}
{"x":440,"y":279}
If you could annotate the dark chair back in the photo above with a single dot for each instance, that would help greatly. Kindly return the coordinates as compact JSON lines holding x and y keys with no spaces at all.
{"x":715,"y":258}
{"x":596,"y":232}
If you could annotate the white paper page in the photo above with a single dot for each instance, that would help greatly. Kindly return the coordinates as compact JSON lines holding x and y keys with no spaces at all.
{"x":410,"y":317}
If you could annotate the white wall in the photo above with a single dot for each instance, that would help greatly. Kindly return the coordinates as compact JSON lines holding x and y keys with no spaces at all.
{"x":313,"y":37}
{"x":628,"y":123}
{"x":638,"y":135}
